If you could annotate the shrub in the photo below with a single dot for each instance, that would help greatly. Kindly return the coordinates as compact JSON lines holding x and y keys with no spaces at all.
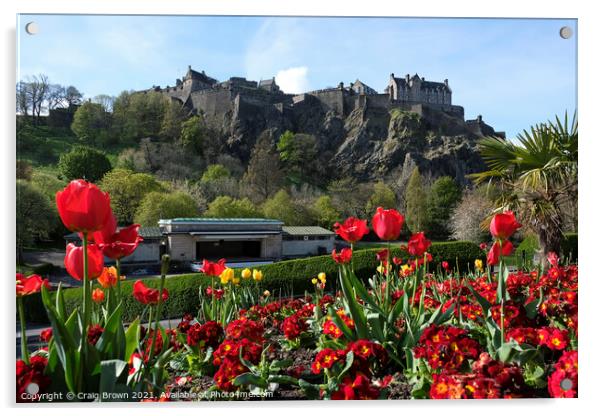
{"x":84,"y":162}
{"x":282,"y":279}
{"x":466,"y":218}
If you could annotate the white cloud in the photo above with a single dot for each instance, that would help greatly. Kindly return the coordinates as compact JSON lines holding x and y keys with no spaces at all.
{"x":293,"y":80}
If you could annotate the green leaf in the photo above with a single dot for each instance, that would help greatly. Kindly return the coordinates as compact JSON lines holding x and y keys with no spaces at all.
{"x":250,"y":379}
{"x":282,"y":379}
{"x":355,"y":309}
{"x":312,"y":391}
{"x":132,"y":339}
{"x":341,"y":325}
{"x":111,"y":371}
{"x":348,"y":363}
{"x":280,"y":364}
{"x":107,"y":343}
{"x":480,"y":299}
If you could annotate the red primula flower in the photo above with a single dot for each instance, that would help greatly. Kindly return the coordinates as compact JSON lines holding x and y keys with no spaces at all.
{"x":146,"y":295}
{"x":418,"y":244}
{"x":213,"y":269}
{"x":83,"y":206}
{"x":117,"y":244}
{"x":293,"y":326}
{"x":352,"y":230}
{"x":387,"y":223}
{"x":324,"y":359}
{"x":30,"y":285}
{"x":343,"y":257}
{"x":502,"y":226}
{"x":210,"y":334}
{"x":74,"y":261}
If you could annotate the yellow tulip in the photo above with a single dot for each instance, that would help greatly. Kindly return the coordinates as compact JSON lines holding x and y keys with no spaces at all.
{"x":246,"y":273}
{"x":478,"y":264}
{"x":257,"y":275}
{"x":226,"y":276}
{"x":322,"y":277}
{"x":236,"y":280}
{"x":314,"y":281}
{"x":266,"y":293}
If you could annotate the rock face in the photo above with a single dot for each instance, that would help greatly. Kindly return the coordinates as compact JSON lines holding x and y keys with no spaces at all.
{"x":365,"y":142}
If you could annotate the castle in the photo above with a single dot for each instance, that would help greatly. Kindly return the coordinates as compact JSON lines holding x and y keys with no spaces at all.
{"x":203,"y":94}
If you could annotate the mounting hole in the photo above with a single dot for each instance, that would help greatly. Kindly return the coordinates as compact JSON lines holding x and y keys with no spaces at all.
{"x":566,"y":32}
{"x":566,"y":384}
{"x":32,"y":28}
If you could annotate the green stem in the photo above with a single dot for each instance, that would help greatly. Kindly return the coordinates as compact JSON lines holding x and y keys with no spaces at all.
{"x":24,"y":351}
{"x":118,"y":269}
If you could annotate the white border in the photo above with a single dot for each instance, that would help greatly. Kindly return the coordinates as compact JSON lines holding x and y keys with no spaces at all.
{"x":589,"y":97}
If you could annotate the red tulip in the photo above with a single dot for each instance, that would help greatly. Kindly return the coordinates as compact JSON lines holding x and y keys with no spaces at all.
{"x":117,"y":244}
{"x":74,"y":261}
{"x":502,"y":226}
{"x":352,"y":230}
{"x":30,"y":285}
{"x":445,"y":265}
{"x":98,"y":295}
{"x":382,"y":255}
{"x":343,"y":257}
{"x":418,"y":244}
{"x":493,"y":257}
{"x":83,"y":206}
{"x":387,"y":223}
{"x":146,"y":295}
{"x":213,"y":269}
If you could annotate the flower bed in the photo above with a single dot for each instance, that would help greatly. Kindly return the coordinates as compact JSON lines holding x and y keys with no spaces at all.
{"x":415,"y":326}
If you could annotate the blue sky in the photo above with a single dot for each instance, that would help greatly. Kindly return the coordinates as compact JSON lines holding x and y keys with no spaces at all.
{"x":515,"y":72}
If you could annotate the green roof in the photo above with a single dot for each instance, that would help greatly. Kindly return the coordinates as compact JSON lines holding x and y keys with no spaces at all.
{"x":148,"y":233}
{"x":219,"y":220}
{"x":305,"y":230}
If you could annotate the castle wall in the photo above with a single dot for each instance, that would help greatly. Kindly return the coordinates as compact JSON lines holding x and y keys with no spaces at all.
{"x":331,"y":99}
{"x":212,"y":102}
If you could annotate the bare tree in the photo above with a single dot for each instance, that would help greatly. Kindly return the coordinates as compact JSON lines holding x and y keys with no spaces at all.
{"x":106,"y":101}
{"x":56,"y":96}
{"x":23,"y":98}
{"x":37,"y":94}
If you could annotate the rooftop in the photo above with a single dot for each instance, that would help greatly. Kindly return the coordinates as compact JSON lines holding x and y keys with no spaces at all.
{"x":305,"y":230}
{"x":219,"y":221}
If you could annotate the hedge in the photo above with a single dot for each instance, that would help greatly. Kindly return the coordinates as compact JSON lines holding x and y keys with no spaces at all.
{"x":282,"y":278}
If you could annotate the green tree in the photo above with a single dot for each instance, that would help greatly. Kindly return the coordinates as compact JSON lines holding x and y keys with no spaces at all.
{"x":214,"y":173}
{"x":382,"y":196}
{"x":159,"y":205}
{"x":228,"y":207}
{"x":416,"y":197}
{"x":24,"y":169}
{"x":264,"y":175}
{"x":35,"y":216}
{"x":91,"y":124}
{"x":171,"y":125}
{"x":282,"y":207}
{"x":47,"y":183}
{"x":83,"y":162}
{"x":193,"y":134}
{"x":127,"y":189}
{"x":325,"y":212}
{"x":443,"y":197}
{"x":537,"y":176}
{"x":139,"y":115}
{"x":298,"y":153}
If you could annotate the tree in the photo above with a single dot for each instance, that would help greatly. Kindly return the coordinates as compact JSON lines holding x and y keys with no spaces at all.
{"x":91,"y":123}
{"x":48,"y":184}
{"x":37,"y":91}
{"x":383,"y":196}
{"x":55,"y":96}
{"x":127,"y":189}
{"x":192,"y":135}
{"x":282,"y":207}
{"x":139,"y":115}
{"x":443,"y":197}
{"x":416,"y":202}
{"x":159,"y":205}
{"x":23,"y":98}
{"x":214,"y":173}
{"x":228,"y":207}
{"x":83,"y":163}
{"x":35,"y":216}
{"x":325,"y":212}
{"x":73,"y":96}
{"x":264,"y":175}
{"x":106,"y":101}
{"x":171,"y":125}
{"x":536,"y":174}
{"x":466,"y":218}
{"x":298,"y":152}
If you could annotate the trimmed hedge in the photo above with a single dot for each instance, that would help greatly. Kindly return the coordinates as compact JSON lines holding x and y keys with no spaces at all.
{"x":282,"y":278}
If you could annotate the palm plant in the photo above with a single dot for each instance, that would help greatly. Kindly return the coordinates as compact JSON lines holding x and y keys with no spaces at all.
{"x":536,"y":176}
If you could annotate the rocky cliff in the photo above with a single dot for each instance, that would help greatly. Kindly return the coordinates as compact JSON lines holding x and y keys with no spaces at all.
{"x":366,"y":143}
